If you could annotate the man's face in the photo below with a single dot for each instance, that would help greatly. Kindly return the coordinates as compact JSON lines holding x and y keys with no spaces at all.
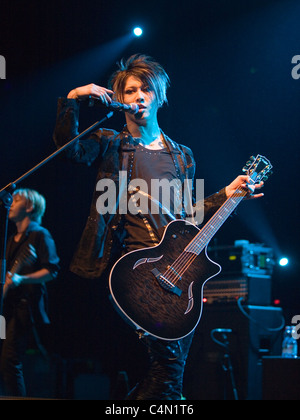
{"x":20,"y":209}
{"x":136,"y":92}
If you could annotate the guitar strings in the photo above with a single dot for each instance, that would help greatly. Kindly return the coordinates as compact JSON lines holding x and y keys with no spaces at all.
{"x":240,"y":195}
{"x":188,"y":257}
{"x":185,"y":259}
{"x":206,"y":231}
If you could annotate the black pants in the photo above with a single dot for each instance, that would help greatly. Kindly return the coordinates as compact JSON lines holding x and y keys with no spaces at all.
{"x":164,"y":379}
{"x":18,"y":331}
{"x":105,"y":336}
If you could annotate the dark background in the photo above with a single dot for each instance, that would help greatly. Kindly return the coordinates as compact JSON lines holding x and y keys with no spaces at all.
{"x":232,"y":95}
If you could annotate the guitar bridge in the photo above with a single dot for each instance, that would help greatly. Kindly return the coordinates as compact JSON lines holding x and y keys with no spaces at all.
{"x":165,"y":283}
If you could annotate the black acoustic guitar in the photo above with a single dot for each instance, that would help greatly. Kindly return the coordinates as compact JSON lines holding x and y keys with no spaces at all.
{"x":159,"y":290}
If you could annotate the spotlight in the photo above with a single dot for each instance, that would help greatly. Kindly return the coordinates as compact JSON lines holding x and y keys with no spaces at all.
{"x":283,"y":262}
{"x":138,"y":31}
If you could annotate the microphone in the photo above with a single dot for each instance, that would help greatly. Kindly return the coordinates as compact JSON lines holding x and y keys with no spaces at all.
{"x":117,"y":106}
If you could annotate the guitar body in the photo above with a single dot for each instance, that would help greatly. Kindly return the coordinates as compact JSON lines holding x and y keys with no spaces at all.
{"x":159,"y":290}
{"x":143,"y":299}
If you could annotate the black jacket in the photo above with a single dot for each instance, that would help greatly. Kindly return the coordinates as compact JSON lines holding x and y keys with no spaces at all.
{"x":34,"y":294}
{"x":102,"y":239}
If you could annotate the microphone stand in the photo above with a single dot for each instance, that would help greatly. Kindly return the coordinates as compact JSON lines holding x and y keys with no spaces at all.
{"x":6,"y":200}
{"x":227,"y":365}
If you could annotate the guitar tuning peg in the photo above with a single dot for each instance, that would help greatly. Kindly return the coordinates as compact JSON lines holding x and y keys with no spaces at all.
{"x":251,"y":161}
{"x":245,"y":169}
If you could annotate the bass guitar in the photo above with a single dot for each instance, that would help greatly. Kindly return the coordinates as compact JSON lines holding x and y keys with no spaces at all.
{"x":28,"y":256}
{"x":159,"y":290}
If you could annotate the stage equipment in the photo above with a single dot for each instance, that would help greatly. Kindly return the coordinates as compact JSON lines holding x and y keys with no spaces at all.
{"x":281,"y":378}
{"x":227,"y":362}
{"x":244,"y":259}
{"x":246,"y":273}
{"x":255,"y":290}
{"x":253,"y":336}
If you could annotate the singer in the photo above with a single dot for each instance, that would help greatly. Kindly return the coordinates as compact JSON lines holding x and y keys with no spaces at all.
{"x":144,"y":151}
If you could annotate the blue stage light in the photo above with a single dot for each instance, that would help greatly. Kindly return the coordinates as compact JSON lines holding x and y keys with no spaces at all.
{"x":283,"y":262}
{"x":138,"y":31}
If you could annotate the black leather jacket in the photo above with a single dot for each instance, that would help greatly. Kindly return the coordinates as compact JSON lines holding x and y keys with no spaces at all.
{"x":102,"y":239}
{"x":35,"y":295}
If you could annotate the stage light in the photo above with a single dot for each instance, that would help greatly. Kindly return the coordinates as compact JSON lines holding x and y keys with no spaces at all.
{"x":138,"y":31}
{"x":283,"y":262}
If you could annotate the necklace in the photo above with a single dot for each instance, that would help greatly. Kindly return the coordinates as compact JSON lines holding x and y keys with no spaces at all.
{"x":158,"y":143}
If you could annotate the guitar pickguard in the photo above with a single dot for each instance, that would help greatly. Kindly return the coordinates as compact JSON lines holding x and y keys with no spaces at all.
{"x":158,"y":290}
{"x":146,"y":261}
{"x":191,"y":299}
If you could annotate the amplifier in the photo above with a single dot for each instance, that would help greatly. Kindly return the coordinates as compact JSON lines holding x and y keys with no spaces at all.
{"x":244,"y":259}
{"x":255,"y":290}
{"x":281,"y":378}
{"x":252,"y":339}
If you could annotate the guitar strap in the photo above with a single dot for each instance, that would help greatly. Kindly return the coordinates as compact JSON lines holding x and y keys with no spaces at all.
{"x":128,"y":154}
{"x":182,"y":170}
{"x":127,"y":161}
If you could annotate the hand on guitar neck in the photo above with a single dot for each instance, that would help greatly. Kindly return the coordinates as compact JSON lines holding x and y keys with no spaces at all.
{"x":11,"y":281}
{"x":244,"y":181}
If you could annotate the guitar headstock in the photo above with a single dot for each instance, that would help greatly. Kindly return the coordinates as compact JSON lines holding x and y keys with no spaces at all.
{"x":259,"y":168}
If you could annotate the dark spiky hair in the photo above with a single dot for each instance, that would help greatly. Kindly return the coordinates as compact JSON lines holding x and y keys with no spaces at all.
{"x":144,"y":68}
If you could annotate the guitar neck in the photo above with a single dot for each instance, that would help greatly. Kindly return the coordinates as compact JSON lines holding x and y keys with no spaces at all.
{"x":16,"y":267}
{"x":28,"y":255}
{"x":206,"y":234}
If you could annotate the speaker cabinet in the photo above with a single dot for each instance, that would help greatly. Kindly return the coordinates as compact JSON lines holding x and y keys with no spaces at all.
{"x":281,"y":379}
{"x":255,"y":290}
{"x":207,"y":376}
